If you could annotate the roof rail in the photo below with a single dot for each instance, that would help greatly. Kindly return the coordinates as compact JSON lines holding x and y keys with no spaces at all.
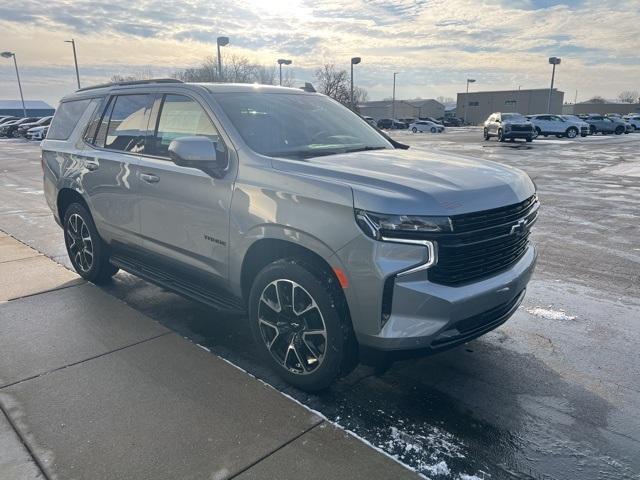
{"x":131,"y":82}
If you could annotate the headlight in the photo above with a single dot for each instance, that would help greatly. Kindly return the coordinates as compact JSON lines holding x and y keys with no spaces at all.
{"x":379,"y":226}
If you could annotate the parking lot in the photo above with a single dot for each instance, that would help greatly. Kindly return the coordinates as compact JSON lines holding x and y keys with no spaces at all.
{"x":551,"y":394}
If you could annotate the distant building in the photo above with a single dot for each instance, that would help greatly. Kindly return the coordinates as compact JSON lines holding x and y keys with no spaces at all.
{"x":403,"y":109}
{"x":584,"y":108}
{"x":35,"y":108}
{"x":479,"y":105}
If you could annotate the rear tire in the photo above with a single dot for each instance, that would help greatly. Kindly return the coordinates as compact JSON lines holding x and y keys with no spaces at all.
{"x":289,"y":300}
{"x":87,"y":251}
{"x":529,"y":139}
{"x":414,"y":130}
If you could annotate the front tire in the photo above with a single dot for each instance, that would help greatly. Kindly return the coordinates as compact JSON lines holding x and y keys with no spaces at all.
{"x":572,"y":132}
{"x":619,"y":130}
{"x":86,"y":250}
{"x":434,"y":129}
{"x":414,"y":130}
{"x":500,"y":135}
{"x":486,"y":134}
{"x":300,"y":324}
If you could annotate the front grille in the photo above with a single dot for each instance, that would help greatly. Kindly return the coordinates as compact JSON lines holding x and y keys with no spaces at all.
{"x":520,"y":128}
{"x":483,"y":243}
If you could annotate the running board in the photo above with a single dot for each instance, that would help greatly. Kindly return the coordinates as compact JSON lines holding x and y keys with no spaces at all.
{"x":216,"y":298}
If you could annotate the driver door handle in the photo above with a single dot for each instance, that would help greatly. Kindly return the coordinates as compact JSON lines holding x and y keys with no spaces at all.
{"x":149,"y":178}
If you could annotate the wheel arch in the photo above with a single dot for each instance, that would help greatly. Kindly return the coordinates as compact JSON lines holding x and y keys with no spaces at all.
{"x":66,"y":196}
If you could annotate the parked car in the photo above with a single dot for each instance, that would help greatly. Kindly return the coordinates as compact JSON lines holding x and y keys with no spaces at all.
{"x":391,"y":124}
{"x":7,"y":119}
{"x":426,"y":126}
{"x":559,"y":126}
{"x":508,"y":126}
{"x":10,"y":129}
{"x":576,"y":118}
{"x":330,"y":257}
{"x":605,"y":125}
{"x":22,"y":129}
{"x":634,"y":121}
{"x":369,"y":120}
{"x":451,"y":122}
{"x":37,"y":133}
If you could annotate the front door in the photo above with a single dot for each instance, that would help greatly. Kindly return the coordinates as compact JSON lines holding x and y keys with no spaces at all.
{"x":184,"y":211}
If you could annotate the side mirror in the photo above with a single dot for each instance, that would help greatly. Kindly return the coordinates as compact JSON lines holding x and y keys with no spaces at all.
{"x":201,"y":153}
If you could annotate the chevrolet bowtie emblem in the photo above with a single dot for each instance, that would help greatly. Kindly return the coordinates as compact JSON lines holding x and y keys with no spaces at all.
{"x":519,"y":228}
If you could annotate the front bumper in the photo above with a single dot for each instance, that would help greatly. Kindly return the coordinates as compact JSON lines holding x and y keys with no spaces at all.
{"x":518,"y":134}
{"x":424,"y":315}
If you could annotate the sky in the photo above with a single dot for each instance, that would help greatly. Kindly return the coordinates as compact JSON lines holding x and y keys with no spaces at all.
{"x":434,"y":45}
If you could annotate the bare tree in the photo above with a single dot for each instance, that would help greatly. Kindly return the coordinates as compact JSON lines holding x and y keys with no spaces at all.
{"x":235,"y":69}
{"x":445,"y":100}
{"x":337,"y":85}
{"x":333,"y":83}
{"x":629,"y":96}
{"x":140,"y":75}
{"x":596,"y":99}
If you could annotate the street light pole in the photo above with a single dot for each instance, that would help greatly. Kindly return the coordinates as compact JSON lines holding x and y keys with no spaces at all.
{"x":466,"y":98}
{"x":393,"y":101}
{"x":75,"y":58}
{"x":15,"y":62}
{"x":222,"y":42}
{"x":553,"y":61}
{"x":283,"y":61}
{"x":354,"y":61}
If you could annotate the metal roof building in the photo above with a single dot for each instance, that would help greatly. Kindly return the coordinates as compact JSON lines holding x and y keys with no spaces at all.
{"x":35,"y":108}
{"x":403,"y":109}
{"x":479,"y":105}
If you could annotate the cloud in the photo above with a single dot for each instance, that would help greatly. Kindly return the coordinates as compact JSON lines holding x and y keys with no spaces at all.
{"x":435,"y":44}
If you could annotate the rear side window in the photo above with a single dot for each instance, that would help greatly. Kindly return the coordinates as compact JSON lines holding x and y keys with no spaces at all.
{"x":122,"y":125}
{"x":128,"y":123}
{"x":66,"y":118}
{"x":181,"y":116}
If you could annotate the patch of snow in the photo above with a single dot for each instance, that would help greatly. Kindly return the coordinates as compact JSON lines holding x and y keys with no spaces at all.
{"x":550,"y":314}
{"x":631,"y":169}
{"x":440,"y":468}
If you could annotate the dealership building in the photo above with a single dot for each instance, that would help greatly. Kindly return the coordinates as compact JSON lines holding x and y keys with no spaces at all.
{"x":479,"y":105}
{"x":35,"y":108}
{"x":403,"y":109}
{"x":601,"y":108}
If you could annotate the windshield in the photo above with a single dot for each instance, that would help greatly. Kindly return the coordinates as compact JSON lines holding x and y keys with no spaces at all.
{"x":513,"y":117}
{"x":298,"y":126}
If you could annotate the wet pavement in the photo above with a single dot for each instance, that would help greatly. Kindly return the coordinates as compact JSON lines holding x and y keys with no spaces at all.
{"x":552,"y":394}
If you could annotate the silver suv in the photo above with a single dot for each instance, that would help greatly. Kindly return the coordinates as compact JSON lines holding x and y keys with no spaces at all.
{"x":286,"y":205}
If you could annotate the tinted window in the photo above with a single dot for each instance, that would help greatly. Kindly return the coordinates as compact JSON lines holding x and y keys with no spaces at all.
{"x":128,"y":123}
{"x":181,"y":116}
{"x":101,"y":134}
{"x":66,"y":118}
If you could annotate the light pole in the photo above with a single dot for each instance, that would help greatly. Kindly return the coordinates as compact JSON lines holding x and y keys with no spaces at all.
{"x":553,"y":61}
{"x":222,"y":42}
{"x":283,"y":61}
{"x":354,"y":61}
{"x":9,"y":55}
{"x":393,"y":101}
{"x":466,"y":98}
{"x":75,"y":58}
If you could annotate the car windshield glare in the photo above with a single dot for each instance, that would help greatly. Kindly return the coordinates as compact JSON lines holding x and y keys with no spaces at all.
{"x":298,"y":126}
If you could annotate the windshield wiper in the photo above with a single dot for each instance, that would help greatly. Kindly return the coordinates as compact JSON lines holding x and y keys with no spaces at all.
{"x":364,"y":149}
{"x":295,"y":154}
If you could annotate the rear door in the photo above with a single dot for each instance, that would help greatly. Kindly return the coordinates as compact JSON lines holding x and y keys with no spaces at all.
{"x":184,"y":211}
{"x":117,"y":136}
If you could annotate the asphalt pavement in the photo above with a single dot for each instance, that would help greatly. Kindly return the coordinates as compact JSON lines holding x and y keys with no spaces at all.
{"x":551,"y":394}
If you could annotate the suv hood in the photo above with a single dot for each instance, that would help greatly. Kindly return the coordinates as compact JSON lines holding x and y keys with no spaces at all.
{"x":418,"y":182}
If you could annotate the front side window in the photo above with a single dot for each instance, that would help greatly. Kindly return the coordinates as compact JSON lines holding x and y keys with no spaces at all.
{"x":181,"y":116}
{"x":66,"y":119}
{"x":296,"y":126}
